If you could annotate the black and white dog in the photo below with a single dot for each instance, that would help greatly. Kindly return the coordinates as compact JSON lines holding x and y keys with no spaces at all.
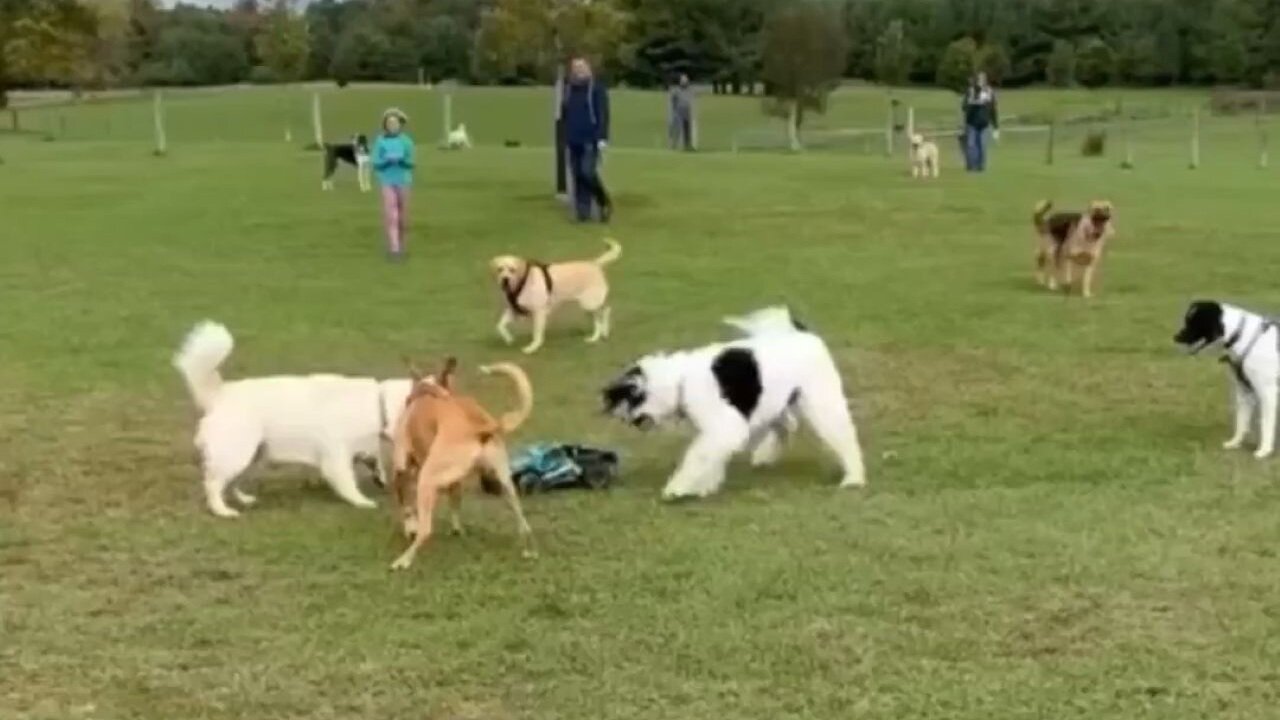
{"x":354,"y":153}
{"x":741,"y":395}
{"x":1251,"y":345}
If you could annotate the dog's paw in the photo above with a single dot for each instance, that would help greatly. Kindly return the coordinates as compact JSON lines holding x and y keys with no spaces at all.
{"x":1233,"y":444}
{"x":853,"y":481}
{"x":530,"y":350}
{"x":1263,"y":453}
{"x":226,"y":513}
{"x":529,"y":554}
{"x":401,"y":564}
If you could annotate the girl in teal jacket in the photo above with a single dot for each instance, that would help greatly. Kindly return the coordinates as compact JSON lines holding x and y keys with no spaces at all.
{"x":393,"y":164}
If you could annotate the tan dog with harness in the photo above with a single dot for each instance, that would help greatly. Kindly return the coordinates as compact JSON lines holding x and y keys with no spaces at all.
{"x":443,"y":438}
{"x":533,"y":289}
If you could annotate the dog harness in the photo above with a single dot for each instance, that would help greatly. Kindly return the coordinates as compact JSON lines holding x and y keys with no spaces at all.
{"x":1237,"y":364}
{"x":513,"y":293}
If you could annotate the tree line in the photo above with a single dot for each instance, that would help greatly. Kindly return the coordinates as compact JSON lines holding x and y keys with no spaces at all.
{"x":645,"y":43}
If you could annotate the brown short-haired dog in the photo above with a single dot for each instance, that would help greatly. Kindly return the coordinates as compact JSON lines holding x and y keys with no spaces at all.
{"x":1069,"y":239}
{"x":444,"y":437}
{"x":533,"y":289}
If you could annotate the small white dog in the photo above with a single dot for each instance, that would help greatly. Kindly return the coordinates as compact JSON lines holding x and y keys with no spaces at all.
{"x":458,"y":138}
{"x":741,"y":395}
{"x":325,"y":421}
{"x":924,"y":157}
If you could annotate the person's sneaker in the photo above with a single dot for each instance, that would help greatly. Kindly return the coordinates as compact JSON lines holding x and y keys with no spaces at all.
{"x":606,"y":213}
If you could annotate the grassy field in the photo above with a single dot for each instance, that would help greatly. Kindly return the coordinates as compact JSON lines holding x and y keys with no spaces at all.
{"x":1050,"y":529}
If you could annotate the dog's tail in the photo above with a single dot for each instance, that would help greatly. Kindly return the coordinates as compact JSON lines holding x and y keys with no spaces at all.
{"x":613,"y":253}
{"x":511,"y":421}
{"x":206,"y":347}
{"x":769,"y":321}
{"x":1041,"y":212}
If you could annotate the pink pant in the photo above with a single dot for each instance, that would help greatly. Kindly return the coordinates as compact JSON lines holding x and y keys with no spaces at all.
{"x":395,"y":209}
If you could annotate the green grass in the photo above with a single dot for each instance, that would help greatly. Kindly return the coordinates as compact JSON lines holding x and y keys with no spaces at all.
{"x":1050,"y":530}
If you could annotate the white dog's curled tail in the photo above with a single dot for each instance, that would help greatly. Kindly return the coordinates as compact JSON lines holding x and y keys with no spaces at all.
{"x":769,"y":321}
{"x":204,"y":350}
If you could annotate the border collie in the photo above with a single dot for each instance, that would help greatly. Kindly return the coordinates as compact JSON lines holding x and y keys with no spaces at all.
{"x":354,"y":153}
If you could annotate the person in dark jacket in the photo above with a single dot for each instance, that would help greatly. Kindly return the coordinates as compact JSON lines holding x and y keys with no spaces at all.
{"x":980,"y":112}
{"x":585,"y":111}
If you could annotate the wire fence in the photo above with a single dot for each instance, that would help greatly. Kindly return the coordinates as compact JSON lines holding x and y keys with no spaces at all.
{"x":1129,"y":134}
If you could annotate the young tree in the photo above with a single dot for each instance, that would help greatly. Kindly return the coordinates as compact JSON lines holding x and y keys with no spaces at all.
{"x":283,"y":42}
{"x":804,"y":50}
{"x":895,"y":55}
{"x":959,"y":61}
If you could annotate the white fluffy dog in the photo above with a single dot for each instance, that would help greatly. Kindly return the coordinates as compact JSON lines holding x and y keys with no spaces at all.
{"x":741,"y":395}
{"x":325,"y":421}
{"x":924,"y":157}
{"x":458,"y":138}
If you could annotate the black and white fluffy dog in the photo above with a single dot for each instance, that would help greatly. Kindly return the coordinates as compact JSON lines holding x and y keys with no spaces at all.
{"x":354,"y":153}
{"x":1251,"y":347}
{"x":741,"y":395}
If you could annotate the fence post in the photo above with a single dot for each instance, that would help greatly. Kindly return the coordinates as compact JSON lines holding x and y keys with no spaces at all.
{"x":888,"y":132}
{"x":447,"y":118}
{"x":316,"y":127}
{"x":1048,"y":150}
{"x":1127,"y":124}
{"x":911,"y":130}
{"x":1264,"y":150}
{"x":1195,"y":138}
{"x":13,"y":115}
{"x":162,"y":143}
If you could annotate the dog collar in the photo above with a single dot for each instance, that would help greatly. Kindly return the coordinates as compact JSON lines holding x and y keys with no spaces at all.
{"x":1235,"y":335}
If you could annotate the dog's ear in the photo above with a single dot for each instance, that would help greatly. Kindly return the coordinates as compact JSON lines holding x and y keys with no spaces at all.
{"x":415,"y":372}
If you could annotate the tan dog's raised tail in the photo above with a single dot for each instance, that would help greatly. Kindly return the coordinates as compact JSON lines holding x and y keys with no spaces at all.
{"x":533,"y":289}
{"x":445,"y":437}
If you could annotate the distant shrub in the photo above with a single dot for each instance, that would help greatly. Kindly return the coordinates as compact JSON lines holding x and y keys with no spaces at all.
{"x":263,"y":75}
{"x":1095,"y":143}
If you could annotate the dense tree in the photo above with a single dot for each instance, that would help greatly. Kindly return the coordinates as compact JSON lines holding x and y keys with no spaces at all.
{"x":1095,"y":63}
{"x":640,"y":42}
{"x":282,"y":43}
{"x":1060,"y":69}
{"x":958,"y":64}
{"x":895,"y":55}
{"x":47,"y":41}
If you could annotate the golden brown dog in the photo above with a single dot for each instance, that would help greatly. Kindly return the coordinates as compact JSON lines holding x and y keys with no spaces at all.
{"x":533,"y":289}
{"x":1068,"y":239}
{"x":444,"y":437}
